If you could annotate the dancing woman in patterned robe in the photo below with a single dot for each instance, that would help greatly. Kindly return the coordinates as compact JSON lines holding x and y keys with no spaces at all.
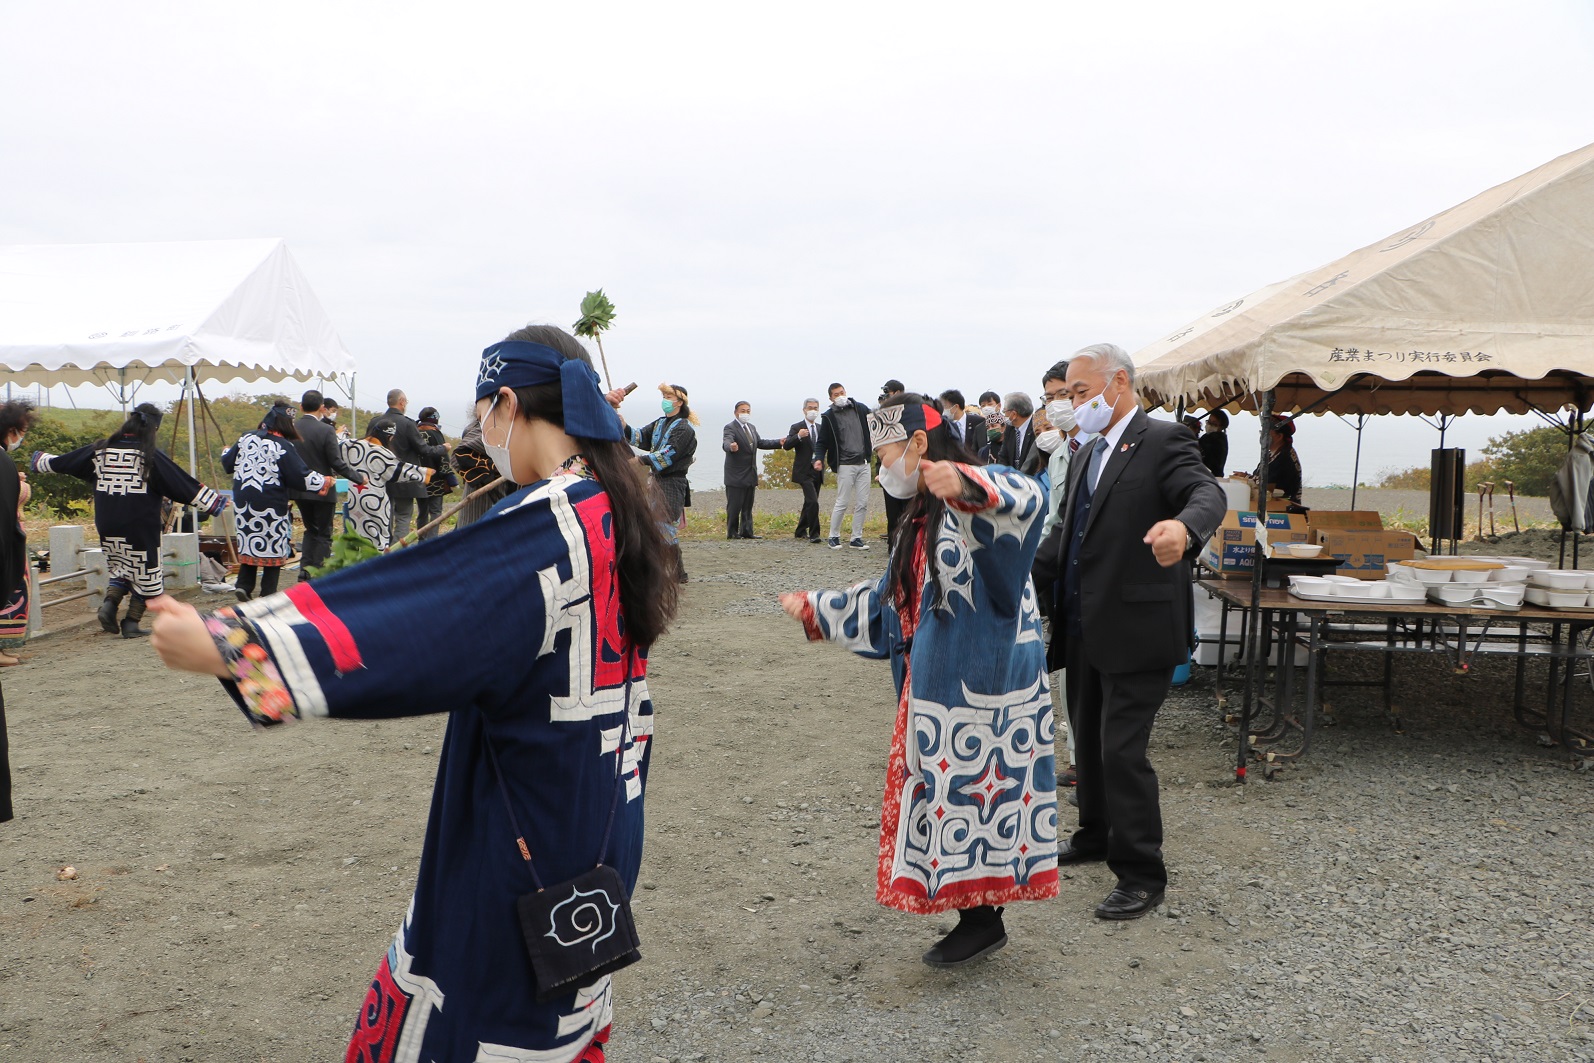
{"x":556,"y":596}
{"x":370,"y":511}
{"x":970,"y":813}
{"x":265,"y":468}
{"x":130,"y":477}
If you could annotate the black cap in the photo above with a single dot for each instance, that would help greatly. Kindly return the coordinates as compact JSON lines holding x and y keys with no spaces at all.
{"x":892,"y":385}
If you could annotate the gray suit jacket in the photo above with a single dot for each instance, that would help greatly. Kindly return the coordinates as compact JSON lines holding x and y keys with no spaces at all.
{"x":741,"y":464}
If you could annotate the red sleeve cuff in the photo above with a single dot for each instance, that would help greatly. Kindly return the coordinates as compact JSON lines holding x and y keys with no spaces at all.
{"x":810,"y":624}
{"x":983,"y":490}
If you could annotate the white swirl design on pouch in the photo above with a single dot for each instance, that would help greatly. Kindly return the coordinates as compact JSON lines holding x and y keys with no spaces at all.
{"x":573,"y":920}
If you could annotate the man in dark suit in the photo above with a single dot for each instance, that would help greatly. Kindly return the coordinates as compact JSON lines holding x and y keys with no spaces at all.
{"x":1018,"y":450}
{"x":318,"y":446}
{"x":965,"y":427}
{"x":408,"y":445}
{"x":800,"y":440}
{"x":1138,"y":508}
{"x":742,"y":444}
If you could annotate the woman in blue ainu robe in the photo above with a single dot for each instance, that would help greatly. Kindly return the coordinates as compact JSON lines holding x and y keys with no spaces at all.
{"x":969,"y":821}
{"x":551,"y":668}
{"x":131,"y":476}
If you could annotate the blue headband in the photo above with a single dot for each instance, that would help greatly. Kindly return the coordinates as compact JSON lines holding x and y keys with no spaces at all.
{"x":515,"y":364}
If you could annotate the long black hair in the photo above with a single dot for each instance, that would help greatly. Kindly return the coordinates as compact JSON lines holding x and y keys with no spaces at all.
{"x":940,"y":445}
{"x":649,"y":589}
{"x":279,"y":419}
{"x":142,"y":427}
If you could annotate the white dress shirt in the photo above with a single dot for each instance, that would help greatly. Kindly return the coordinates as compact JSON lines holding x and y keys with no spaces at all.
{"x":1111,"y":438}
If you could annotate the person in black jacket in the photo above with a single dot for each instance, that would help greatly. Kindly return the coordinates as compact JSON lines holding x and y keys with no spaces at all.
{"x":318,"y":446}
{"x":430,"y":506}
{"x":1117,"y":562}
{"x":844,"y":446}
{"x":1018,"y":450}
{"x":1214,"y":443}
{"x":741,"y":442}
{"x":16,"y":417}
{"x":800,"y":439}
{"x":966,"y":427}
{"x":410,"y":448}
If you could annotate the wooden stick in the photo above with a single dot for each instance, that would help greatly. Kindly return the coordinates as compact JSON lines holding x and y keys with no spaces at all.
{"x":598,"y":337}
{"x":415,"y":535}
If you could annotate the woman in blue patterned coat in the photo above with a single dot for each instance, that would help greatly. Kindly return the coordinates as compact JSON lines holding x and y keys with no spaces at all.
{"x":970,"y":813}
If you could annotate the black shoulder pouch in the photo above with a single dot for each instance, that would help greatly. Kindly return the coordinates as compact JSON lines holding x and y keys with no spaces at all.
{"x":579,"y":930}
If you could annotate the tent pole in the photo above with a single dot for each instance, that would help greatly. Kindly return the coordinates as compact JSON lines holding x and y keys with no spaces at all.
{"x":1253,"y":642}
{"x":1356,"y":469}
{"x":193,"y":452}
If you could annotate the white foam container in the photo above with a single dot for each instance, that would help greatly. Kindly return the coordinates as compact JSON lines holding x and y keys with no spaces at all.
{"x":1510,"y":574}
{"x":1401,"y":590}
{"x":1363,"y":588}
{"x":1557,"y":599}
{"x":1558,"y":580}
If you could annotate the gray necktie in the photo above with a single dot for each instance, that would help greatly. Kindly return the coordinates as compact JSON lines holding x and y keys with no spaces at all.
{"x":1093,"y":465}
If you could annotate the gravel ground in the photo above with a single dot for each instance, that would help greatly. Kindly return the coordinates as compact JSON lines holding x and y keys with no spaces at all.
{"x":1421,"y":896}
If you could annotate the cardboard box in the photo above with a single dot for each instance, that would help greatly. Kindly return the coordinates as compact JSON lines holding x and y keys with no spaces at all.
{"x":1345,"y":520}
{"x":1232,"y":549}
{"x":1362,"y":553}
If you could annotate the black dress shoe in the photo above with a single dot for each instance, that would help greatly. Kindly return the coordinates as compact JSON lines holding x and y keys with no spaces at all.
{"x":1128,"y":904}
{"x":1067,"y":854}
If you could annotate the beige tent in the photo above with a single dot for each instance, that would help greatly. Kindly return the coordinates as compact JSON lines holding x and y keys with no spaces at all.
{"x":1488,"y":306}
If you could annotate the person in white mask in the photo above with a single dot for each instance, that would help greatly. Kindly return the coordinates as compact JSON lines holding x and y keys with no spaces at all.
{"x":843,"y":447}
{"x":969,"y":693}
{"x":741,"y":443}
{"x":1060,"y":441}
{"x":800,"y":438}
{"x":1139,"y":505}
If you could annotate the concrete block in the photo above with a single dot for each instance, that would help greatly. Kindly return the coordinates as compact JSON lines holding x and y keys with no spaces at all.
{"x":66,"y":545}
{"x":99,"y":577}
{"x":180,"y":559}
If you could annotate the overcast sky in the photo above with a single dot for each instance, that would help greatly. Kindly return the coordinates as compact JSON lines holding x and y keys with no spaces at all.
{"x":776,"y":196}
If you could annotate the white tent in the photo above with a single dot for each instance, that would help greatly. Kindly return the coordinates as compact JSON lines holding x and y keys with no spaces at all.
{"x":121,"y":315}
{"x":1485,"y":307}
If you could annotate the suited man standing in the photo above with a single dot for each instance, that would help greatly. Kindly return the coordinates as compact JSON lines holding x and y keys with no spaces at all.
{"x":742,"y":444}
{"x":965,"y":427}
{"x":1139,"y":505}
{"x":800,"y":439}
{"x":408,"y":445}
{"x":318,"y":446}
{"x":1018,"y":449}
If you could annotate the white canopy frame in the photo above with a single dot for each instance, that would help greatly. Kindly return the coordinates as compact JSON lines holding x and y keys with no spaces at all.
{"x":125,"y":315}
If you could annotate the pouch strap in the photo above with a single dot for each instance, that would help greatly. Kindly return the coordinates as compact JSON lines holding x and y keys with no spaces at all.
{"x":619,"y":779}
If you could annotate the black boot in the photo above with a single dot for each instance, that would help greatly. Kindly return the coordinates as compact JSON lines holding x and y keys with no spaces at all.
{"x":979,"y":933}
{"x":135,"y":613}
{"x":680,"y":565}
{"x":109,"y":608}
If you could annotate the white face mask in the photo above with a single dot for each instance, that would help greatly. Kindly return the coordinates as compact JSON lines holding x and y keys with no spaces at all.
{"x":745,"y":418}
{"x":839,"y":401}
{"x":500,"y":454}
{"x":1060,"y":412}
{"x":1049,"y":441}
{"x":988,"y":411}
{"x":15,"y":445}
{"x":897,"y":480}
{"x":811,"y":415}
{"x":1095,"y":413}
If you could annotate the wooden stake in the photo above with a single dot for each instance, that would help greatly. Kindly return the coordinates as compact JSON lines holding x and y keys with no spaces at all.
{"x":415,"y":535}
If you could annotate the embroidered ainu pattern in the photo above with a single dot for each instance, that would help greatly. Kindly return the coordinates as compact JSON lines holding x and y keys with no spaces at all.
{"x":124,"y":562}
{"x":120,"y":471}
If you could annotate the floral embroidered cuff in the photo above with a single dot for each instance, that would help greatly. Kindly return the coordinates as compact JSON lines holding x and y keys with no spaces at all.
{"x":256,"y":685}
